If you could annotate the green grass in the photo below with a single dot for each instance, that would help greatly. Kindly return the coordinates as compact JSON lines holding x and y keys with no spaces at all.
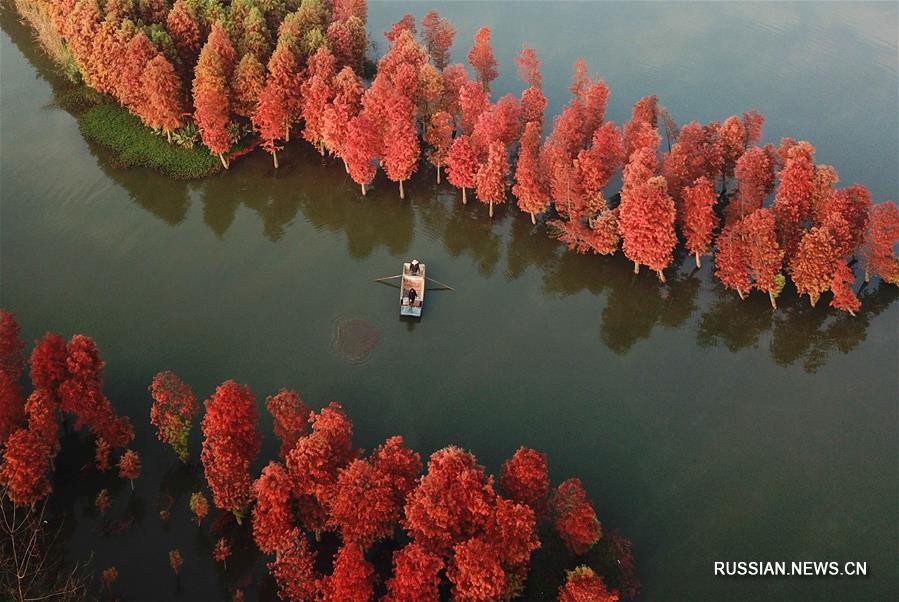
{"x":132,"y":144}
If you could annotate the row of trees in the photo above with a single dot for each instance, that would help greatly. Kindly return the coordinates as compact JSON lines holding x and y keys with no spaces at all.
{"x":709,"y":188}
{"x":464,"y":529}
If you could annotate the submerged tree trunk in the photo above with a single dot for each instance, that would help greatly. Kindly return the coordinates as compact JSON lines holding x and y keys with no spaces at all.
{"x":698,"y":265}
{"x":742,"y":296}
{"x":402,"y":192}
{"x":438,"y":173}
{"x":168,"y":135}
{"x":533,"y":218}
{"x":661,"y":276}
{"x":275,"y":158}
{"x":773,"y":299}
{"x":636,"y":268}
{"x":346,"y":167}
{"x":223,"y":160}
{"x":287,"y":133}
{"x":490,"y":212}
{"x":363,"y":189}
{"x":464,"y":198}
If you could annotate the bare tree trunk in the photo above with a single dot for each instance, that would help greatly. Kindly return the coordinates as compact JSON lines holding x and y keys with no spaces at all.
{"x":661,"y":276}
{"x":345,"y":166}
{"x":275,"y":158}
{"x":464,"y":198}
{"x":287,"y":133}
{"x":636,"y":268}
{"x":742,"y":296}
{"x":698,"y":265}
{"x":438,"y":173}
{"x":773,"y":300}
{"x":168,"y":135}
{"x":490,"y":212}
{"x":363,"y":189}
{"x":223,"y":160}
{"x":533,"y":218}
{"x":402,"y":192}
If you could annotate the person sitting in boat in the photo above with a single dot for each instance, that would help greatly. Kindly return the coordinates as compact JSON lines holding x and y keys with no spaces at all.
{"x":413,"y":267}
{"x":412,"y":295}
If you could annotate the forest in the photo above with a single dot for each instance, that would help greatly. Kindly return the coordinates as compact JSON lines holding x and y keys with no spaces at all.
{"x":231,"y":77}
{"x":459,"y":528}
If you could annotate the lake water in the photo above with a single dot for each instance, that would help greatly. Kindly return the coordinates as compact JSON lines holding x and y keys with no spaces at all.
{"x":703,"y":427}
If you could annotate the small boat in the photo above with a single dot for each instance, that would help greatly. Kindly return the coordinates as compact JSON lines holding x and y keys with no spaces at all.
{"x":412,"y":289}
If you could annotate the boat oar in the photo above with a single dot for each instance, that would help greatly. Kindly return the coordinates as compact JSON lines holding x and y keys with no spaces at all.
{"x":387,"y":278}
{"x":440,"y":283}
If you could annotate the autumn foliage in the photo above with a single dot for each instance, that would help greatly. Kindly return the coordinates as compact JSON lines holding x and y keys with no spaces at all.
{"x":173,"y":410}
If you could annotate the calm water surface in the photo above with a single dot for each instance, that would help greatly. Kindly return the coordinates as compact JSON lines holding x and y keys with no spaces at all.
{"x":703,"y":427}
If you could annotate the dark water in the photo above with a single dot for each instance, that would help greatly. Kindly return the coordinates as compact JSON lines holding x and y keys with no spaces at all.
{"x":703,"y":427}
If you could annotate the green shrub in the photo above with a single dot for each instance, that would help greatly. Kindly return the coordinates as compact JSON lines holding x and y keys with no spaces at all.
{"x":133,"y":144}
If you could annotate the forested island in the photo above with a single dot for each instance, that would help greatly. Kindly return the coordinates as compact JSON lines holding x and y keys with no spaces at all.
{"x":214,"y":81}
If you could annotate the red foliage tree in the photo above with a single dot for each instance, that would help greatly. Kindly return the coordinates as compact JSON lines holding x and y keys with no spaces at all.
{"x":138,"y":54}
{"x":452,"y":502}
{"x":48,"y":362}
{"x":162,"y":108}
{"x":699,"y":217}
{"x":533,"y":104}
{"x":271,"y":118}
{"x":398,"y":466}
{"x":852,"y":206}
{"x":352,"y":577}
{"x":583,"y":585}
{"x":129,"y":466}
{"x":43,"y":419}
{"x":475,"y":572}
{"x":25,"y":468}
{"x":272,"y":514}
{"x":401,"y":150}
{"x":416,"y":576}
{"x":221,"y":551}
{"x":346,"y":104}
{"x":291,"y":418}
{"x":530,"y":180}
{"x":362,"y":507}
{"x":473,"y":101}
{"x":792,"y":203}
{"x":212,"y":102}
{"x":182,"y":25}
{"x":575,"y":519}
{"x":102,"y":449}
{"x":696,"y":154}
{"x":512,"y":532}
{"x":490,"y":181}
{"x":316,"y":92}
{"x":230,"y":443}
{"x":641,"y":167}
{"x":453,"y":78}
{"x":363,"y":146}
{"x":528,"y":64}
{"x":481,"y":58}
{"x":284,"y":73}
{"x":812,"y":266}
{"x":763,"y":253}
{"x":407,"y":23}
{"x":732,"y":261}
{"x":644,"y":117}
{"x":462,"y":165}
{"x":755,"y":180}
{"x":732,"y":140}
{"x":881,"y":237}
{"x":12,"y":411}
{"x":175,"y":561}
{"x":646,"y":221}
{"x":439,"y":135}
{"x":199,"y":506}
{"x":438,"y":34}
{"x":524,"y":479}
{"x":173,"y":410}
{"x":599,"y":163}
{"x":247,"y":85}
{"x":294,"y":569}
{"x":843,"y":296}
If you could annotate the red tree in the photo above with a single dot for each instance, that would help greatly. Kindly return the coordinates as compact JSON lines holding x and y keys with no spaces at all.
{"x":48,"y":362}
{"x":221,"y":551}
{"x":533,"y":104}
{"x":763,"y":255}
{"x":481,"y":58}
{"x":284,"y":74}
{"x":272,"y":514}
{"x":852,"y":205}
{"x":162,"y":93}
{"x":490,"y":181}
{"x":462,"y":165}
{"x":475,"y":572}
{"x":812,"y":267}
{"x":438,"y":34}
{"x":294,"y":569}
{"x":25,"y":468}
{"x":352,"y":577}
{"x":43,"y":419}
{"x":699,"y":217}
{"x":138,"y":54}
{"x":451,"y":503}
{"x":583,"y":585}
{"x":843,"y":296}
{"x":362,"y":507}
{"x":524,"y":479}
{"x":792,"y":203}
{"x":416,"y":576}
{"x":129,"y":466}
{"x":173,"y":410}
{"x":182,"y":26}
{"x":401,"y":150}
{"x":646,"y":220}
{"x":599,"y":163}
{"x":575,"y":519}
{"x":316,"y":92}
{"x":644,"y":117}
{"x":530,"y":180}
{"x":439,"y":135}
{"x":271,"y":118}
{"x":881,"y":237}
{"x":363,"y":145}
{"x":12,"y":411}
{"x":732,"y":140}
{"x":732,"y":261}
{"x":407,"y":23}
{"x":247,"y":85}
{"x":199,"y":506}
{"x":398,"y":466}
{"x":346,"y":104}
{"x":528,"y":64}
{"x":755,"y":180}
{"x":212,"y":102}
{"x":229,"y":445}
{"x":291,"y":418}
{"x":513,"y":533}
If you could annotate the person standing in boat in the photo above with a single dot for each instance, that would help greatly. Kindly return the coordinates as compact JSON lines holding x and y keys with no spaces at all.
{"x":413,"y":267}
{"x":412,"y":295}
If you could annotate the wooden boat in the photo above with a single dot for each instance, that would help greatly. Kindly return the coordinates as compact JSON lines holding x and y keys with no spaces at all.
{"x":412,"y":282}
